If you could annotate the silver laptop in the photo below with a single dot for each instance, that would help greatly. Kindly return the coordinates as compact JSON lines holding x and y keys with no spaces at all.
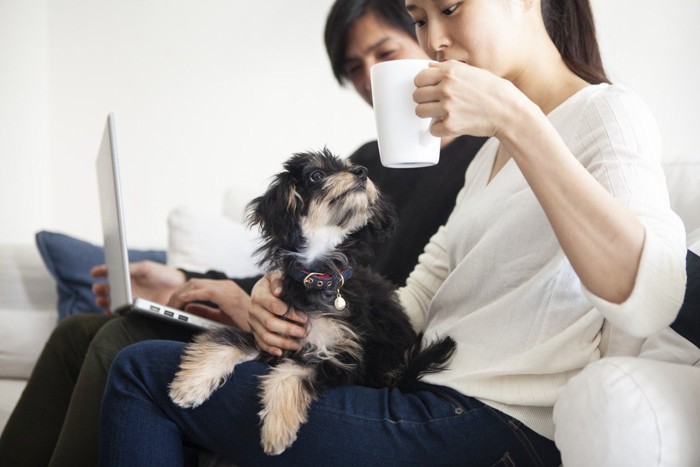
{"x":114,"y":232}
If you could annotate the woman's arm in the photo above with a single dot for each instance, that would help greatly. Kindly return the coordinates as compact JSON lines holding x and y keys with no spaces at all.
{"x":425,"y":279}
{"x":603,"y":203}
{"x":601,"y":238}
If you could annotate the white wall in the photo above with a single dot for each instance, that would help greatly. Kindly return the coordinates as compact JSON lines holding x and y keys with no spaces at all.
{"x":24,"y":118}
{"x":653,"y":47}
{"x":207,"y":95}
{"x":214,"y":93}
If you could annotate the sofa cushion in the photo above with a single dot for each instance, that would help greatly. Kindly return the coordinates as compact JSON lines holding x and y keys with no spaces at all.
{"x":630,"y":411}
{"x":69,"y":261}
{"x":200,"y":241}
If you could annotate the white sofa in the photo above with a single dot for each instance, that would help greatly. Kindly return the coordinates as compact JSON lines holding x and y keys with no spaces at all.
{"x":27,"y":314}
{"x":28,"y":293}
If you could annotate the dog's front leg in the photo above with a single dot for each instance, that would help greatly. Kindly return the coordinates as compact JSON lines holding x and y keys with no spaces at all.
{"x":207,"y":362}
{"x":287,"y":392}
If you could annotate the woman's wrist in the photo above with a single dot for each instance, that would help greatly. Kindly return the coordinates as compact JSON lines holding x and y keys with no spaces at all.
{"x":522,"y":124}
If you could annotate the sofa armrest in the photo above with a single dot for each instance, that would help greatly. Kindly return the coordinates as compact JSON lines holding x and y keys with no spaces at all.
{"x":27,"y":309}
{"x":630,"y":411}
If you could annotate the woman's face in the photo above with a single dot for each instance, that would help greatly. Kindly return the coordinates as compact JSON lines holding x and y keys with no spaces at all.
{"x":481,"y":33}
{"x":371,"y":41}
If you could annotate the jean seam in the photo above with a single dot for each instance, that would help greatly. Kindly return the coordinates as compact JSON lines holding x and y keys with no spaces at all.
{"x":520,"y":436}
{"x":459,"y":411}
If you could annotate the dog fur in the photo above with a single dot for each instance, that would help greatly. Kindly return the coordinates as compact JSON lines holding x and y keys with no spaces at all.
{"x":319,"y":215}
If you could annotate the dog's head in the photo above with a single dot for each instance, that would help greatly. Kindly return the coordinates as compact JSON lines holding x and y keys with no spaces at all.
{"x":320,"y":206}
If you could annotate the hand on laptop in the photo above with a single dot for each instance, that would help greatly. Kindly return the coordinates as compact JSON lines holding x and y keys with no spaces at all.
{"x":231,"y":300}
{"x":150,"y":280}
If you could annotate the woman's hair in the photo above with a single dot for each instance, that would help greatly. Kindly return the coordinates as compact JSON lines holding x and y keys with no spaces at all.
{"x":345,"y":13}
{"x":570,"y":25}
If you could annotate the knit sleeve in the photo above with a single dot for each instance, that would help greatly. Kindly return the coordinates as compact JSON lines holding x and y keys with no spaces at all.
{"x":425,"y":280}
{"x":618,"y":142}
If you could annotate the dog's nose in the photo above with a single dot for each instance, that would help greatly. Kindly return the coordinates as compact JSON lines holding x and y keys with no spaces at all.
{"x":360,"y":171}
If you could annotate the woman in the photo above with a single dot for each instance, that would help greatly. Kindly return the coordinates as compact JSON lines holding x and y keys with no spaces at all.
{"x":563,"y":223}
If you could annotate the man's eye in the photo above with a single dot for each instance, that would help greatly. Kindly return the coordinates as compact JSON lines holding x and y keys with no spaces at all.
{"x":387,"y":54}
{"x":352,"y":70}
{"x":316,"y":176}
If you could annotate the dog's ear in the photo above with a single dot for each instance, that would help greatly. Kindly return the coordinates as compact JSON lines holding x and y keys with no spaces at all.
{"x":275,"y":212}
{"x":380,"y":226}
{"x":382,"y":223}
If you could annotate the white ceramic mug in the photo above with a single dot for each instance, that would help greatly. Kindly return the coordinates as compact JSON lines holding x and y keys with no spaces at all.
{"x":404,"y":138}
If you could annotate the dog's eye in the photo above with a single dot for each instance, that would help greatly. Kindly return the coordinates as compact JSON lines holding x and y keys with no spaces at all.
{"x":316,"y":176}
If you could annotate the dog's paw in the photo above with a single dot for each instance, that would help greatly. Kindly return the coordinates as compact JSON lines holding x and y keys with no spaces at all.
{"x":188,"y":392}
{"x":285,"y":401}
{"x":205,"y":365}
{"x":276,"y":436}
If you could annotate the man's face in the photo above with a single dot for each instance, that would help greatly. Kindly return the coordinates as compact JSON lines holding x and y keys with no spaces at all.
{"x":371,"y":41}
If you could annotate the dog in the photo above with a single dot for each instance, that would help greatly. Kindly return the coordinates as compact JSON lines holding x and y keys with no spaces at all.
{"x":317,"y":220}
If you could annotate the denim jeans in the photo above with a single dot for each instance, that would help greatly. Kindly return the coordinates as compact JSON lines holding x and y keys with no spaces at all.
{"x":347,"y":426}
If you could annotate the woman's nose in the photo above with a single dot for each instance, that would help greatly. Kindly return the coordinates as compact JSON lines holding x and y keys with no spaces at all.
{"x":437,"y":39}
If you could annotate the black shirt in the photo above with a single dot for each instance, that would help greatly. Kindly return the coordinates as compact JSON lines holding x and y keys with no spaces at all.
{"x":423,"y":197}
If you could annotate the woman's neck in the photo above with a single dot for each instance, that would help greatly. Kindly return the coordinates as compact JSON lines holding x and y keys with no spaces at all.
{"x":547,"y":81}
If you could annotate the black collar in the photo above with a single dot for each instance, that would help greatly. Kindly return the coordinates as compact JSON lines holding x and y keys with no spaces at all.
{"x":319,"y":280}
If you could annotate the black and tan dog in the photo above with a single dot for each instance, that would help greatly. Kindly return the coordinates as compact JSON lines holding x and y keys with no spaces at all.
{"x":317,"y":220}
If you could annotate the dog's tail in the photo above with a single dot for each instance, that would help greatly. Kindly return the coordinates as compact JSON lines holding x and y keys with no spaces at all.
{"x":422,"y":360}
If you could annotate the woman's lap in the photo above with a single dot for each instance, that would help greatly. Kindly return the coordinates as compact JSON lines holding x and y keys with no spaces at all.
{"x":348,"y":425}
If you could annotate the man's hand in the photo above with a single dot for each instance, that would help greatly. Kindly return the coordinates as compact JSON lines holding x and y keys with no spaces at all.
{"x":150,"y":280}
{"x":232,"y":301}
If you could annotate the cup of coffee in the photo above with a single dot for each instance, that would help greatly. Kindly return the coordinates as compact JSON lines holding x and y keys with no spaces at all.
{"x":404,"y":138}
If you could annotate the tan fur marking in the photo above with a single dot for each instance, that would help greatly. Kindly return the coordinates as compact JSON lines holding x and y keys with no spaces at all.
{"x":331,"y":337}
{"x":204,"y":367}
{"x":285,"y":402}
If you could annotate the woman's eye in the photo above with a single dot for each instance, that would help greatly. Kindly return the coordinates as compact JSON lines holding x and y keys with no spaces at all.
{"x":316,"y":176}
{"x":419,"y":23}
{"x":449,"y":10}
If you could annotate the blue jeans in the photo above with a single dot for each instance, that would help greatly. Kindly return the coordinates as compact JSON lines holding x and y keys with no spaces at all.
{"x":347,"y":426}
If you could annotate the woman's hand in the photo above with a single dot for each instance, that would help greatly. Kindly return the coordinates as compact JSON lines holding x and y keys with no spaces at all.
{"x":232,"y":303}
{"x":461,"y":99}
{"x":150,"y":280}
{"x":275,"y":326}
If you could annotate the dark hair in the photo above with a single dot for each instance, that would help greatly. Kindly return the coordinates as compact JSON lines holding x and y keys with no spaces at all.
{"x":344,"y":13}
{"x":570,"y":25}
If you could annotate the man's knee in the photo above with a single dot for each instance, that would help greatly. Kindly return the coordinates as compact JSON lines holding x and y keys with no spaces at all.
{"x":75,"y":333}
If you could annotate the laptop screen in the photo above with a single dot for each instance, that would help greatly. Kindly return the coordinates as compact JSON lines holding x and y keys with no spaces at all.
{"x":116,"y":256}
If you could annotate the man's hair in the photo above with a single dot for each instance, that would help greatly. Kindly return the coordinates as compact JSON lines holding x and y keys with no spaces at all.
{"x":344,"y":13}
